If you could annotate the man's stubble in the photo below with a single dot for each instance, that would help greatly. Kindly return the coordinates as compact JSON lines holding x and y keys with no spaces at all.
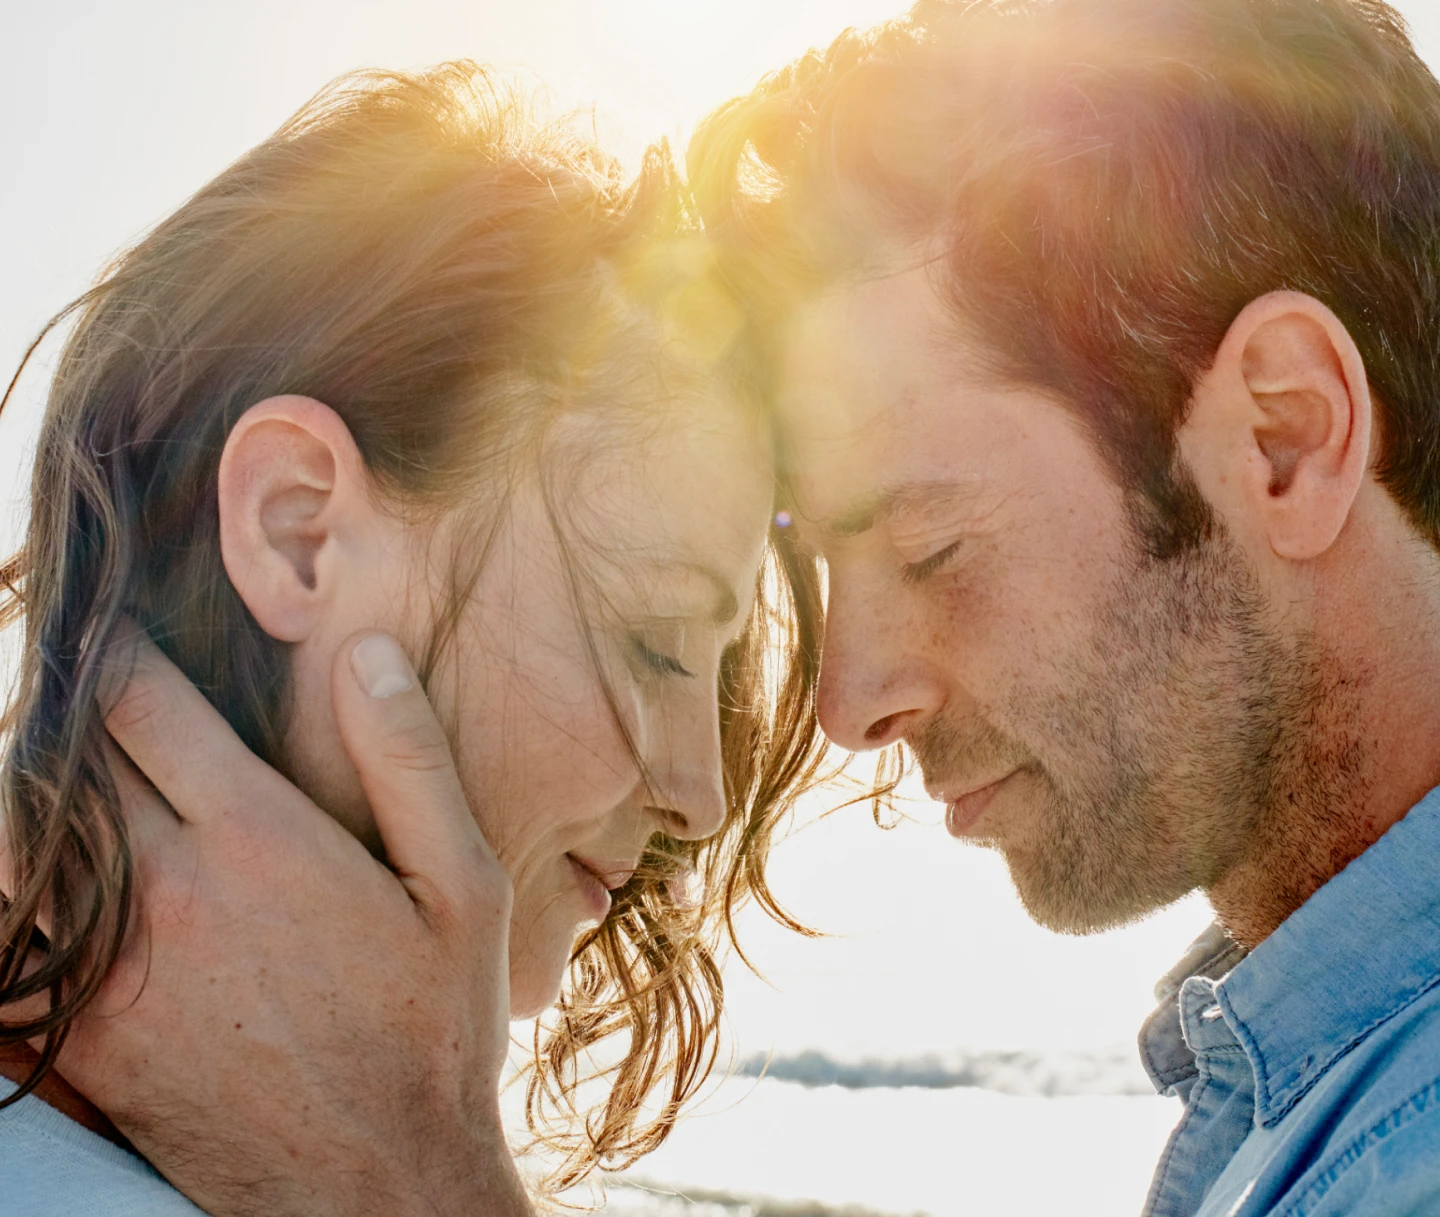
{"x":1186,"y":740}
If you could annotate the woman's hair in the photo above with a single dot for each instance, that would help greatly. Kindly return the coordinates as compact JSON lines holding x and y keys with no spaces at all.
{"x":443,"y":270}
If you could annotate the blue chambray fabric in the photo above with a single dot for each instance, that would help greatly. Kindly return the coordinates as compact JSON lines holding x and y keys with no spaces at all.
{"x":1310,"y":1068}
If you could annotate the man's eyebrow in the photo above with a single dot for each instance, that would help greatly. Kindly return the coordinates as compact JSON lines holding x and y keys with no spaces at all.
{"x":726,"y":605}
{"x":892,"y":502}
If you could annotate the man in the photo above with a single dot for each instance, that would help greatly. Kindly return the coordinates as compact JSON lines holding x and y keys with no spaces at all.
{"x":1102,"y":338}
{"x":1100,"y":334}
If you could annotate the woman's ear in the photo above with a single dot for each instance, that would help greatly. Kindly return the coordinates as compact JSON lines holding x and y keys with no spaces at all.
{"x":1286,"y":408}
{"x":294,"y":509}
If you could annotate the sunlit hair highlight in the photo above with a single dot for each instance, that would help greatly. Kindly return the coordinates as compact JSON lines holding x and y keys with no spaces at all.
{"x":1098,"y":188}
{"x":442,"y":268}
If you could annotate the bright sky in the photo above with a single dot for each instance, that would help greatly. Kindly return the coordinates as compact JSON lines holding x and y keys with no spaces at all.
{"x":112,"y":114}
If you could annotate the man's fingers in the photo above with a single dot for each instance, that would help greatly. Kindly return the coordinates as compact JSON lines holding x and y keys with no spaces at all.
{"x":173,"y":735}
{"x":152,"y":825}
{"x":403,"y":758}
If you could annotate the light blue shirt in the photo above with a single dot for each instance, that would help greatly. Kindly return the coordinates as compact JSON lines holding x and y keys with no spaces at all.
{"x":1310,"y":1068}
{"x":51,"y":1166}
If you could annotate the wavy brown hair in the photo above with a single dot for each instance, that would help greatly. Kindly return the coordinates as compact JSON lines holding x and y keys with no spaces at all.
{"x":442,"y":268}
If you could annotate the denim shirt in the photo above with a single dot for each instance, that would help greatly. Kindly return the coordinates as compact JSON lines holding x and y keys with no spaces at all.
{"x":1310,"y":1069}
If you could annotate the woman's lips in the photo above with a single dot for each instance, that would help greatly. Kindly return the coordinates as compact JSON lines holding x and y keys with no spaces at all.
{"x":604,"y":874}
{"x":963,"y":812}
{"x":592,"y":890}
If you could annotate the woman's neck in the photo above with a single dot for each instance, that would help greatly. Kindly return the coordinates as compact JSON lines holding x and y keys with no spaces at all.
{"x":16,"y":1063}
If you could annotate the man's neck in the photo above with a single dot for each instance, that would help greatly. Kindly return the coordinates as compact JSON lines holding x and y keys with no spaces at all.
{"x":1367,"y":755}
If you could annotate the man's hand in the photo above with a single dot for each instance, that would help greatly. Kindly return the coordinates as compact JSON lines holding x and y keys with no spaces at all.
{"x":294,"y":1029}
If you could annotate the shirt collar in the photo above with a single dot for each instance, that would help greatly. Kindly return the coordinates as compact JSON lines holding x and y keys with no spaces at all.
{"x":1357,"y":952}
{"x":1164,"y":1051}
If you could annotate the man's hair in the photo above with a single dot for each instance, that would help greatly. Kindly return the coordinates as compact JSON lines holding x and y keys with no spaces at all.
{"x":1101,"y":186}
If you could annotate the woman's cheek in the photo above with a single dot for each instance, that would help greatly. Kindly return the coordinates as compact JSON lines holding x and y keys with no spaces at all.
{"x":524,"y":773}
{"x":587,"y":762}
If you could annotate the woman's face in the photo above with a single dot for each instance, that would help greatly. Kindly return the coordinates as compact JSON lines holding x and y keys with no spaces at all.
{"x":660,"y":532}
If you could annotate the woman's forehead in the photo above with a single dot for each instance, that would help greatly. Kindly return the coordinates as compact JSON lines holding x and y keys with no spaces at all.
{"x":695,"y":487}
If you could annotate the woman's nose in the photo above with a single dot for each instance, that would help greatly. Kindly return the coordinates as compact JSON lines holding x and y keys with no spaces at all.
{"x":687,"y":779}
{"x":694,"y":810}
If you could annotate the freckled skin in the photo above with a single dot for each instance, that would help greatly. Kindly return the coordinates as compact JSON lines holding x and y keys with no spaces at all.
{"x":539,"y":752}
{"x":1157,"y":725}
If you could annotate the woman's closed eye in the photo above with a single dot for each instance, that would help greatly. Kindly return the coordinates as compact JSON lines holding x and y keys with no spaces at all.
{"x":660,"y":663}
{"x":657,"y":654}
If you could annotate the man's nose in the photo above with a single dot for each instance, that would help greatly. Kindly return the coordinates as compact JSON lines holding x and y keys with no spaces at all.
{"x":874,"y":682}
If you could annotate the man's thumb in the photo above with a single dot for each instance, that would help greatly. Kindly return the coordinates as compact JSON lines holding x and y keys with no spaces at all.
{"x":396,"y":744}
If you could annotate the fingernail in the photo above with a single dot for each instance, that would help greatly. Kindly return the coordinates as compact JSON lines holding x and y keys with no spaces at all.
{"x":381,"y":667}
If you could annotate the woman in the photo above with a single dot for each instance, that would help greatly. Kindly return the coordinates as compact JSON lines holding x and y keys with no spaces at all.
{"x":419,"y":364}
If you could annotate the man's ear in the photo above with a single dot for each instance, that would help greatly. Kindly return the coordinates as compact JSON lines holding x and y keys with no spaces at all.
{"x":1289,"y":397}
{"x":293,"y":503}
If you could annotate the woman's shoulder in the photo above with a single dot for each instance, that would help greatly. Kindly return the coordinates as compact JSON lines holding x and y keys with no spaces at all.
{"x":52,"y":1167}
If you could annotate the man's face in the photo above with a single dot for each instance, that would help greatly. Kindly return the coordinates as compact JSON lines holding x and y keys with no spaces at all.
{"x":1113,"y":724}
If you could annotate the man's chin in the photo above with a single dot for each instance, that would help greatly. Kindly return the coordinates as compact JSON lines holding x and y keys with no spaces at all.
{"x":1066,"y":900}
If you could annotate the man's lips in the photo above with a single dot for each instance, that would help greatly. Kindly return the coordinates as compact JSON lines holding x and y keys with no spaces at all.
{"x":965,"y":805}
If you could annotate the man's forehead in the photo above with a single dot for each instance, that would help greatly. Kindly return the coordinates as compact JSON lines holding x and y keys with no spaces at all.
{"x":895,"y":503}
{"x":841,"y":336}
{"x":871,"y":380}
